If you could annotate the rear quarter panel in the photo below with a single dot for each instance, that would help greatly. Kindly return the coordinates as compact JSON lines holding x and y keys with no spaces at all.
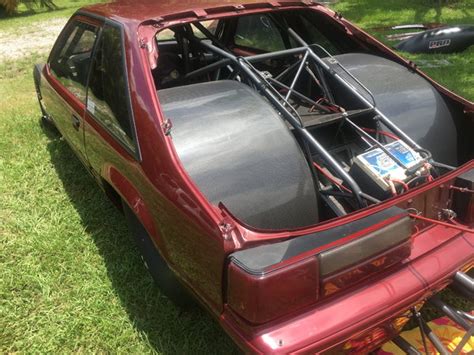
{"x":187,"y":237}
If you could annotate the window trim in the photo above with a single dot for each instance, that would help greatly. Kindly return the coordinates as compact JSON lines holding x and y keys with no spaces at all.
{"x":68,"y":30}
{"x":133,"y":150}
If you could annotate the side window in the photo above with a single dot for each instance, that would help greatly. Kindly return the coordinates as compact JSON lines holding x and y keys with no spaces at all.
{"x":107,"y":98}
{"x":168,"y":35}
{"x":316,"y":37}
{"x":259,"y":32}
{"x":71,"y":60}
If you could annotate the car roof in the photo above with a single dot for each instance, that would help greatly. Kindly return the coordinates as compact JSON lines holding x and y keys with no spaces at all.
{"x":133,"y":11}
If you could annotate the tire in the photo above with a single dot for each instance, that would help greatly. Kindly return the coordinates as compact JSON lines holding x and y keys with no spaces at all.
{"x":163,"y":276}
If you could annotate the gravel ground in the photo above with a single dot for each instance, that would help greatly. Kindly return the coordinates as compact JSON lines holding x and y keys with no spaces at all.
{"x":36,"y":37}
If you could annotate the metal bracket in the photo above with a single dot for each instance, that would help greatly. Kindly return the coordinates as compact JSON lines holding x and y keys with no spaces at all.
{"x":142,"y":43}
{"x":166,"y":126}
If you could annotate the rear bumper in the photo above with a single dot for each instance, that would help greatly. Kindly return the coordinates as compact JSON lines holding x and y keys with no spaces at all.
{"x":437,"y":254}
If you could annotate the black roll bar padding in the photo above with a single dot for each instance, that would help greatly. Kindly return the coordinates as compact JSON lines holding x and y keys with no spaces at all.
{"x":266,"y":89}
{"x":385,"y":120}
{"x":405,"y":345}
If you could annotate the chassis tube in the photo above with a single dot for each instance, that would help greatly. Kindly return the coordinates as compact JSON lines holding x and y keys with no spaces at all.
{"x":465,"y":315}
{"x":244,"y":66}
{"x":405,"y":346}
{"x":463,"y":280}
{"x":214,"y":66}
{"x":433,"y":337}
{"x":450,"y":312}
{"x":326,"y":67}
{"x":301,"y":96}
{"x":306,"y":135}
{"x":252,"y":59}
{"x":276,"y":54}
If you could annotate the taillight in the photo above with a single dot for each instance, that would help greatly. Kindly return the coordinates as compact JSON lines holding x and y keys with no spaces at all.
{"x":263,"y":295}
{"x":268,"y":281}
{"x":344,"y":278}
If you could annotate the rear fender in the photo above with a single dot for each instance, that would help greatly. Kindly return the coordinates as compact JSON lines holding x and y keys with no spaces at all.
{"x":131,"y":197}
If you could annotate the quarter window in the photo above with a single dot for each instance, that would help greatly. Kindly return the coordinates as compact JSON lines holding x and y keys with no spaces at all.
{"x":107,"y":98}
{"x":168,"y":35}
{"x":70,"y":62}
{"x":314,"y":36}
{"x":258,"y":32}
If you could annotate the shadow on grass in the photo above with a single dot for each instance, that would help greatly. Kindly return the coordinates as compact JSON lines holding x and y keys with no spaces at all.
{"x":166,"y":328}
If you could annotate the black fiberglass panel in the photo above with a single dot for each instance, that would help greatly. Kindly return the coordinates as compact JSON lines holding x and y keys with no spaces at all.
{"x":239,"y":152}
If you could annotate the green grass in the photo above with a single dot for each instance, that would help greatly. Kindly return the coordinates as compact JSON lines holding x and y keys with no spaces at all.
{"x":373,"y":14}
{"x":24,"y":16}
{"x":71,"y":279}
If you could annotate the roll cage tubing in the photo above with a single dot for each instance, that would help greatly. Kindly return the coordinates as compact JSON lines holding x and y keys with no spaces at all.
{"x":263,"y":83}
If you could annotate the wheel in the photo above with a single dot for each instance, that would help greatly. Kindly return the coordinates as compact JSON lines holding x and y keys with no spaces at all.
{"x":163,"y":276}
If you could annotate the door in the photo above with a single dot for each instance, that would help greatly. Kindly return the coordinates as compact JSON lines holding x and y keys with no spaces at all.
{"x":67,"y":74}
{"x":108,"y":117}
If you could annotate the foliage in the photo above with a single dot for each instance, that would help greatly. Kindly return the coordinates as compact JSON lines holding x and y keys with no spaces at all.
{"x":8,"y":7}
{"x":454,"y":71}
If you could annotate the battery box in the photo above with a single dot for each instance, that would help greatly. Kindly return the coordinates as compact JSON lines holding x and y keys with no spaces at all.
{"x":373,"y":168}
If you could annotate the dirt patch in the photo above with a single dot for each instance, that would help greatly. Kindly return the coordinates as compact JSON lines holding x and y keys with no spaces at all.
{"x":37,"y":37}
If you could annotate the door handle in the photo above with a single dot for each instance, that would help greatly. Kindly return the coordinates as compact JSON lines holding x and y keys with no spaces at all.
{"x":76,"y":122}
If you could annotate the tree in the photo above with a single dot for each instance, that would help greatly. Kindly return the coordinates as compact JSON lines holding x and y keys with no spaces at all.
{"x":8,"y":7}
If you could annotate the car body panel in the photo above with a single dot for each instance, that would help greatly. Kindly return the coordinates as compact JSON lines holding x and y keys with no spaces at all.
{"x":63,"y":107}
{"x":331,"y":324}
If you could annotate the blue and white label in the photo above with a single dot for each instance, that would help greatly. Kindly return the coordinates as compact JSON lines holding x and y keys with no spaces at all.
{"x":383,"y":165}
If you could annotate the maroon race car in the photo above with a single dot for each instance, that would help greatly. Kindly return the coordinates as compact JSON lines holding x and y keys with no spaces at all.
{"x":307,"y":185}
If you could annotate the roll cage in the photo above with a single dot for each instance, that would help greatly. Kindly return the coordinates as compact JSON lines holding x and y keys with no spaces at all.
{"x":317,"y":63}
